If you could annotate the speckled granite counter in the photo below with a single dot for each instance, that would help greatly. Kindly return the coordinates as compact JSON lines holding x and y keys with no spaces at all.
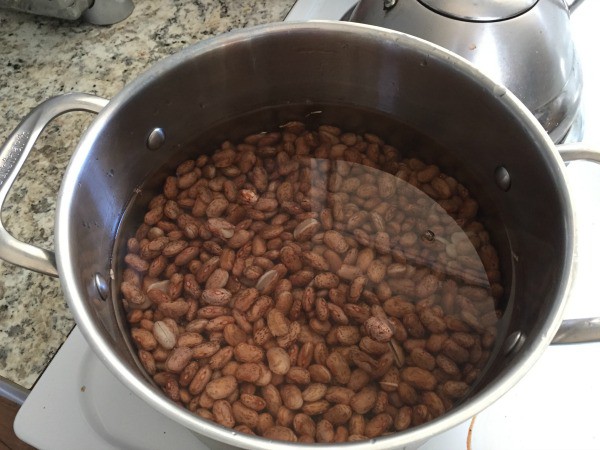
{"x":40,"y":58}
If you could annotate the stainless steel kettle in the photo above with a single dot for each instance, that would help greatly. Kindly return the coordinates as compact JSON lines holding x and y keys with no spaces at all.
{"x":524,"y":44}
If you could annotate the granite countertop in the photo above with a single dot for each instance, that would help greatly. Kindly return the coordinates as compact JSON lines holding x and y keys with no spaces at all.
{"x":42,"y":57}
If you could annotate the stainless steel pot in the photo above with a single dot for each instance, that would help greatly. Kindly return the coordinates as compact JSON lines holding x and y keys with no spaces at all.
{"x":359,"y":77}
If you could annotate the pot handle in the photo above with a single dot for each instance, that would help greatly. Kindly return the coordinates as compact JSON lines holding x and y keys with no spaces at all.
{"x":12,"y":156}
{"x":575,"y":331}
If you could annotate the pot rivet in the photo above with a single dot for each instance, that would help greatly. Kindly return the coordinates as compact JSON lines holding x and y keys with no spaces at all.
{"x":502,"y":178}
{"x":389,"y":4}
{"x":514,"y":342}
{"x":428,"y":236}
{"x":101,"y":286}
{"x":156,"y":139}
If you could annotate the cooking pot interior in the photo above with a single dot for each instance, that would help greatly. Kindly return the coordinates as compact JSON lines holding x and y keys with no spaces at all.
{"x":359,"y":78}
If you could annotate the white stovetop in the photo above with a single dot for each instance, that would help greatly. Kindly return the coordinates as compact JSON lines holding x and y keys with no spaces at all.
{"x":78,"y":403}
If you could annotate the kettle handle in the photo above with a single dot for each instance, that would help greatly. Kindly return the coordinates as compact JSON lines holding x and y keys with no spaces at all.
{"x":12,"y":156}
{"x":573,"y":4}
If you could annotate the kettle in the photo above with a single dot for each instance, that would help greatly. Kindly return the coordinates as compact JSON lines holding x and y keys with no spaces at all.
{"x":524,"y":45}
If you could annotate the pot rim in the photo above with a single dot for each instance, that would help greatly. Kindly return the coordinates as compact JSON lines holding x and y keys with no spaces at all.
{"x":102,"y":348}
